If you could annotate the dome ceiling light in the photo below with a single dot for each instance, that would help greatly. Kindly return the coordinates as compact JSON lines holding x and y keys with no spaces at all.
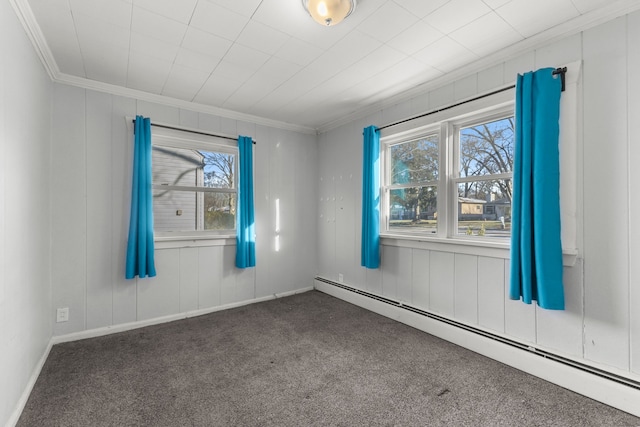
{"x":329,"y":12}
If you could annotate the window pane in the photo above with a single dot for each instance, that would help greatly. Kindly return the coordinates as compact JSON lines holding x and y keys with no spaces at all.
{"x":193,"y":211}
{"x":219,"y":169}
{"x":220,"y":211}
{"x":413,"y":209}
{"x":176,"y":166}
{"x":487,"y":148}
{"x":175,"y":210}
{"x":415,"y":161}
{"x":192,"y":168}
{"x":484,"y":208}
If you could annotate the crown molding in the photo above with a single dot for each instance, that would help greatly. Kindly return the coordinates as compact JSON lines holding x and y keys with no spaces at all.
{"x":581,"y":23}
{"x":31,"y":27}
{"x":112,"y":89}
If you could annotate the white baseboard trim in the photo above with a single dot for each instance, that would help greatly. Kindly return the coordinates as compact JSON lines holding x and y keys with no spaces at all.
{"x":98,"y":332}
{"x":620,"y":396}
{"x":107,"y":330}
{"x":22,"y":402}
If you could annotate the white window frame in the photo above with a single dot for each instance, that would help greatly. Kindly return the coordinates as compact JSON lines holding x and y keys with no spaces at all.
{"x":387,"y":187}
{"x":570,"y":186}
{"x":173,"y":138}
{"x":501,"y":112}
{"x":447,"y":124}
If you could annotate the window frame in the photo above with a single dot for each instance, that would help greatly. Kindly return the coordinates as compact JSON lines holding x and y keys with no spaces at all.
{"x":422,"y":133}
{"x":571,"y":187}
{"x":184,"y":139}
{"x":456,"y":125}
{"x":447,"y":124}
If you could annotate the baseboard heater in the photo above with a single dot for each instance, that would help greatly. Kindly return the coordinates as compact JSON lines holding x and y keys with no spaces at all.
{"x":533,"y":350}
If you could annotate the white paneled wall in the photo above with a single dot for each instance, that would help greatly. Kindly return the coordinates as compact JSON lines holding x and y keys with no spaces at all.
{"x":91,"y":160}
{"x":465,"y":288}
{"x":68,"y":208}
{"x":633,"y":69}
{"x":601,"y":324}
{"x":606,"y":238}
{"x":25,"y":287}
{"x":441,"y":282}
{"x":491,"y":293}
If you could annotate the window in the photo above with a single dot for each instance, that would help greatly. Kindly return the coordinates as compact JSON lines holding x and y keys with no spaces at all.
{"x":484,"y":149}
{"x":451,"y":177}
{"x":194,"y":184}
{"x":467,"y":195}
{"x":413,"y":184}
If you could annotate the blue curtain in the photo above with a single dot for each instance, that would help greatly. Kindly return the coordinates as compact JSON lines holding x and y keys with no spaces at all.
{"x":370,"y":254}
{"x":245,"y":224}
{"x":536,"y":249}
{"x":140,"y":249}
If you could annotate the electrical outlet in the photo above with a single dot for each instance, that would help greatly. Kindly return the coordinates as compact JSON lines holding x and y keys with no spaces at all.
{"x":340,"y":278}
{"x":62,"y":315}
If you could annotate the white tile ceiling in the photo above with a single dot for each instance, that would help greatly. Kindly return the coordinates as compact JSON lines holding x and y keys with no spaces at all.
{"x":268,"y":58}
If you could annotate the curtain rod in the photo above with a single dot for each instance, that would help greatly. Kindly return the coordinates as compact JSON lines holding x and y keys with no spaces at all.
{"x":195,"y":131}
{"x":562,"y":71}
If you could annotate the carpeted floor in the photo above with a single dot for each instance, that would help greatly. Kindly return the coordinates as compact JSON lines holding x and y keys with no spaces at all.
{"x":304,"y":360}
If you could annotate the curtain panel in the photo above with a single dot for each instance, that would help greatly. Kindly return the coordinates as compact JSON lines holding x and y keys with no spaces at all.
{"x":370,"y":248}
{"x":245,"y":223}
{"x":140,"y":247}
{"x":536,"y":248}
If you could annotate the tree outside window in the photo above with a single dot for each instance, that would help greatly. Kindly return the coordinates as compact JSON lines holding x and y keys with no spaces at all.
{"x":486,"y":166}
{"x":194,"y":189}
{"x":476,"y":185}
{"x":414,"y":181}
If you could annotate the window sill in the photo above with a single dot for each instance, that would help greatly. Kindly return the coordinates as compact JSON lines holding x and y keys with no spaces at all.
{"x":194,"y":241}
{"x":463,"y":246}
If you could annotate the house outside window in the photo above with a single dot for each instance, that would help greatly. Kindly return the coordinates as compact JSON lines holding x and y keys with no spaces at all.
{"x":484,"y":149}
{"x":194,"y":185}
{"x":450,"y":178}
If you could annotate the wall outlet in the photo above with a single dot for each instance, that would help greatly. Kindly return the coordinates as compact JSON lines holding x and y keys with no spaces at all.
{"x":340,"y":278}
{"x":62,"y":315}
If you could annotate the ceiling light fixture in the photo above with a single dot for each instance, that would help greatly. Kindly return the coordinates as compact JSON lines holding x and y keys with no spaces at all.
{"x":329,"y":12}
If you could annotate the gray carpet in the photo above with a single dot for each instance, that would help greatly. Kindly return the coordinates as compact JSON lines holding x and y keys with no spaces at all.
{"x":304,"y":360}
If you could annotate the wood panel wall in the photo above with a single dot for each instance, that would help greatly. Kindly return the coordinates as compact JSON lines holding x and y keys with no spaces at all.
{"x":91,"y":160}
{"x":601,"y":324}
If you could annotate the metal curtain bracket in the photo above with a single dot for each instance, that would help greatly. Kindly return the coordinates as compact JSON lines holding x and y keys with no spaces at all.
{"x":562,"y":71}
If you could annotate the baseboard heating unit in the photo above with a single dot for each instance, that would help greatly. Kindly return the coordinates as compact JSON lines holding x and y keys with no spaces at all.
{"x":594,"y":382}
